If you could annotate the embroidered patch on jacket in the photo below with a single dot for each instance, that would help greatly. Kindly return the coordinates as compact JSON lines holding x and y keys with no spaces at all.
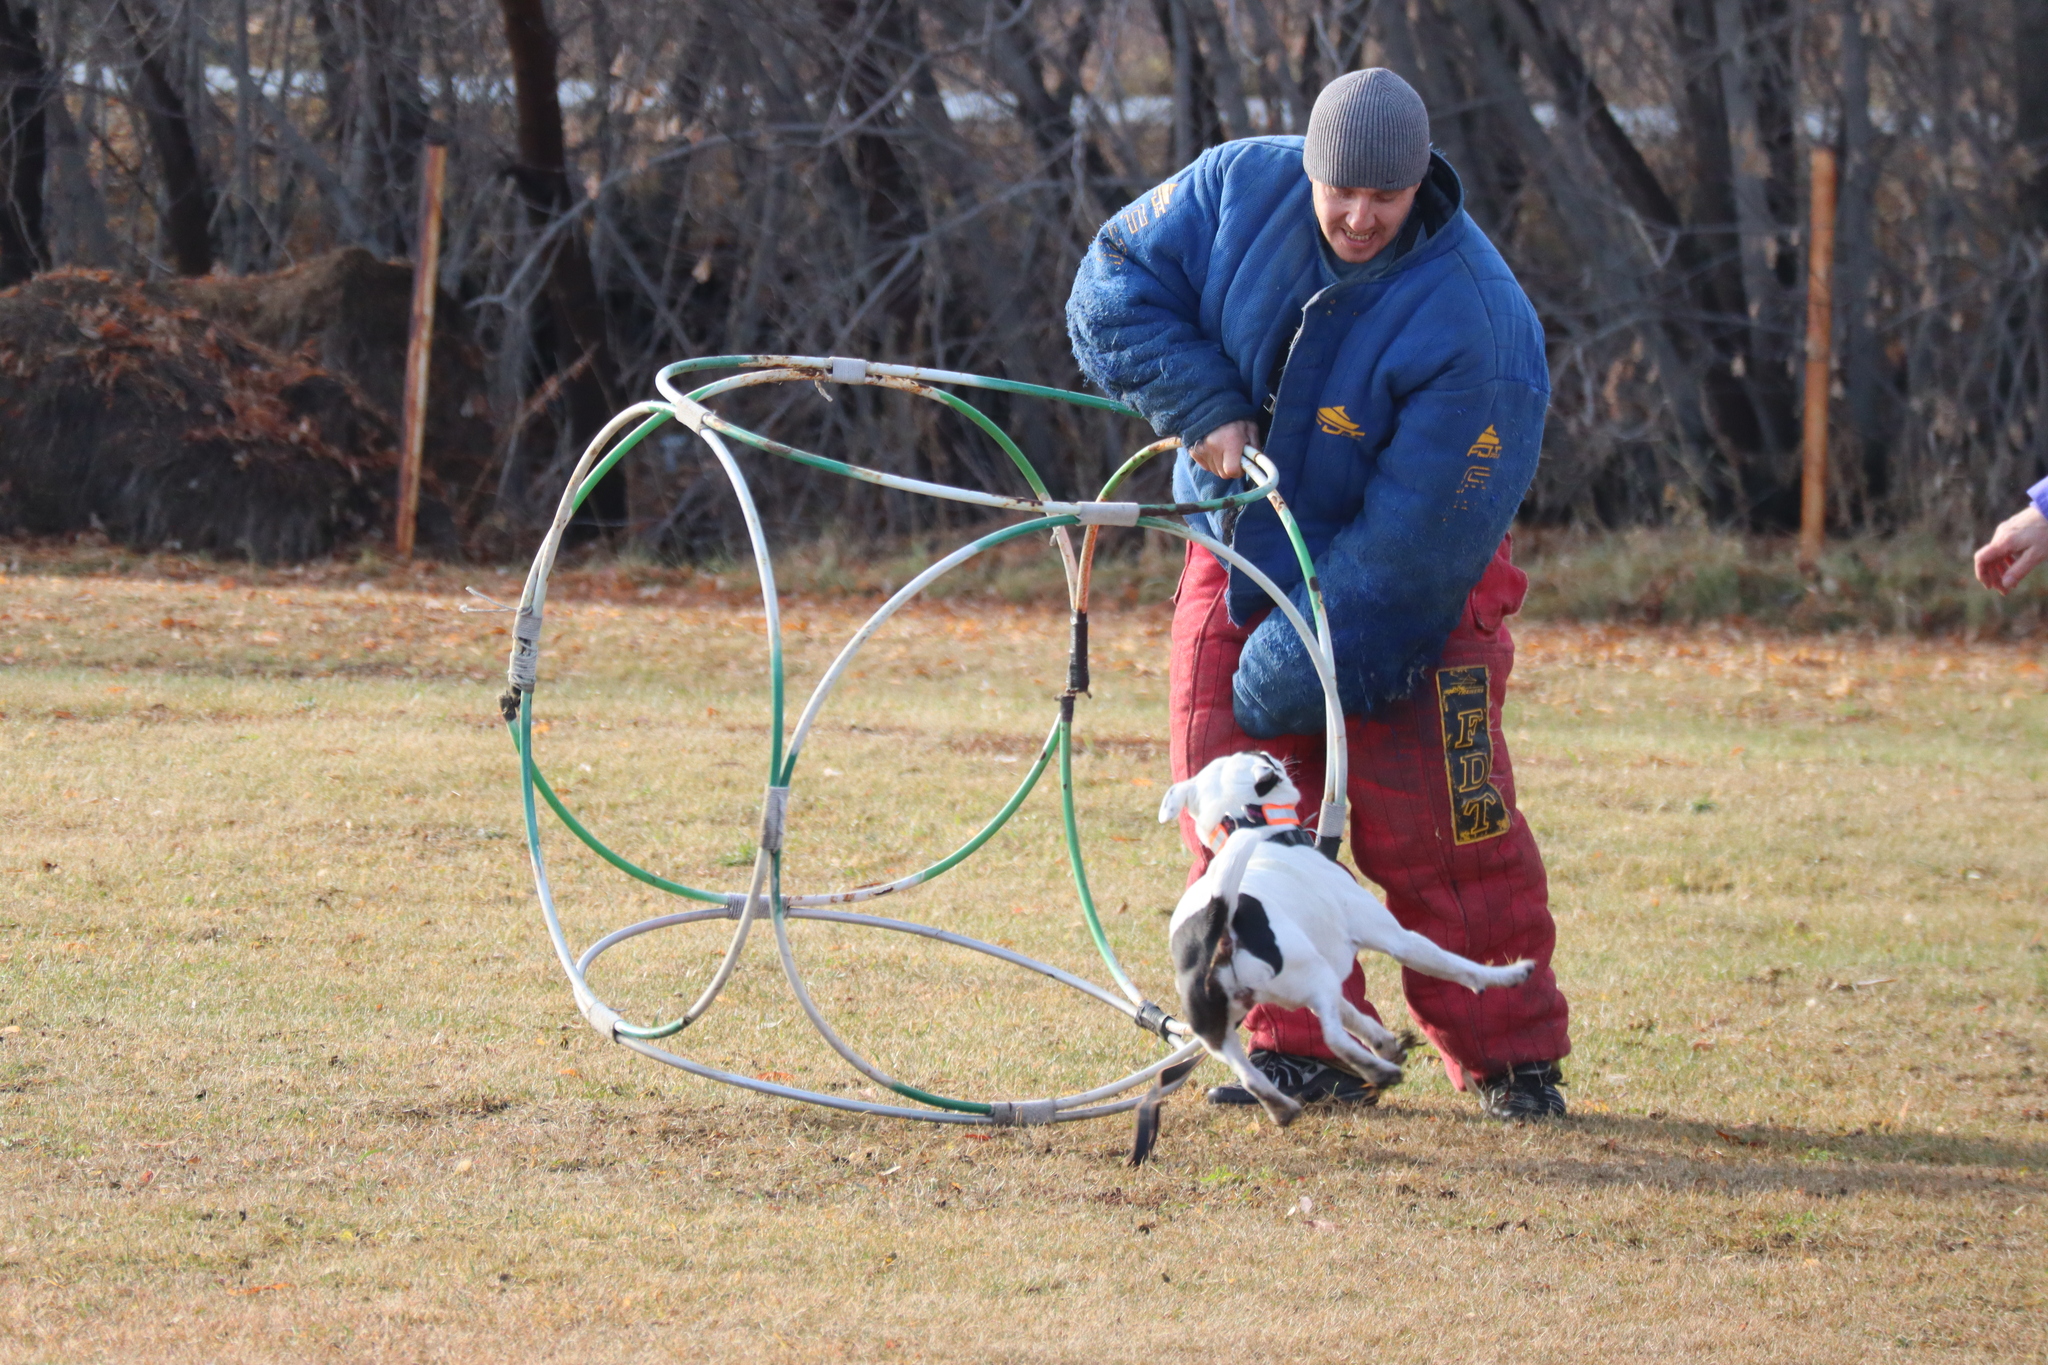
{"x":1477,"y":810}
{"x":1338,"y":423}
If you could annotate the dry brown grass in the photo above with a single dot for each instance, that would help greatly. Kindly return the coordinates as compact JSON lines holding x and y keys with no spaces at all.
{"x":287,"y":1071}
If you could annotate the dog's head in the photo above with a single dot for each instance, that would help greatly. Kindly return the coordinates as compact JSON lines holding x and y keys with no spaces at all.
{"x":1244,"y":789}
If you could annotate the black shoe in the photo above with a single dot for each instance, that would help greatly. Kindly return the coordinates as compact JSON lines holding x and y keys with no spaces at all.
{"x":1299,"y":1078}
{"x":1526,"y":1091}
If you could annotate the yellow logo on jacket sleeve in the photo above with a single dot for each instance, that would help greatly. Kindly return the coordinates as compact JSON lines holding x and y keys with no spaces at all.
{"x":1338,"y":423}
{"x":1487,"y":447}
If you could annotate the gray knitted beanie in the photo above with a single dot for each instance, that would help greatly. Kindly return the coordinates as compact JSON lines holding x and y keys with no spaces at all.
{"x":1369,"y":131}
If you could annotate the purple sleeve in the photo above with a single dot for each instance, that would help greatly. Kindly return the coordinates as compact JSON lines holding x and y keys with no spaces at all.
{"x":2039,"y":494}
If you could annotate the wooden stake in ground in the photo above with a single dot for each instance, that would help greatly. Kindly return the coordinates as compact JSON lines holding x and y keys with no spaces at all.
{"x":420,"y":344}
{"x":1820,"y":263}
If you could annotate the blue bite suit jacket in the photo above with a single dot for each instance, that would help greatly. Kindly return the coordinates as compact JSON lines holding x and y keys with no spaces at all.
{"x":1406,"y":425}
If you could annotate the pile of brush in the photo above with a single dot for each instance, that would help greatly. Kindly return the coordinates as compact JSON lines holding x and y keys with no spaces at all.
{"x":124,"y":410}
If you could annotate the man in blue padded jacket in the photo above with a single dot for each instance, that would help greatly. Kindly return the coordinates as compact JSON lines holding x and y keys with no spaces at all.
{"x":1327,"y":300}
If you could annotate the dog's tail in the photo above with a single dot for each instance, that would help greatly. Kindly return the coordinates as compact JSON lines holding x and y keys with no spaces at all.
{"x":1235,"y":857}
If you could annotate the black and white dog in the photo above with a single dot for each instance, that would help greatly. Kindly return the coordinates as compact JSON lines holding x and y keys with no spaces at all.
{"x":1274,"y":922}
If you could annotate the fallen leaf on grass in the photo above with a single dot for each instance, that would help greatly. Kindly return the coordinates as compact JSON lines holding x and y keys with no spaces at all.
{"x":259,"y":1288}
{"x":1737,"y":1138}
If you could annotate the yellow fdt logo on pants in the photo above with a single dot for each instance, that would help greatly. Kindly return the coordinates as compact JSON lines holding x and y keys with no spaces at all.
{"x":1477,"y":810}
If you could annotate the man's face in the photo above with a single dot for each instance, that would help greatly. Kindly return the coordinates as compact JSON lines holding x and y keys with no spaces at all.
{"x":1358,"y":224}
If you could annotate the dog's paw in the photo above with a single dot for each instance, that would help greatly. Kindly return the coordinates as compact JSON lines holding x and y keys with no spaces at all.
{"x":1397,"y":1051}
{"x":1282,"y":1109}
{"x":1385,"y":1075}
{"x":1496,"y":978}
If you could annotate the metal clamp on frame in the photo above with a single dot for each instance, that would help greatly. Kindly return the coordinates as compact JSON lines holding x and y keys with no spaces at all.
{"x":1153,"y":1019}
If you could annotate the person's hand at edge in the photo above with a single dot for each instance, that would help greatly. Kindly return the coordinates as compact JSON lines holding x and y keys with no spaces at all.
{"x":1221,"y":452}
{"x":2018,"y":545}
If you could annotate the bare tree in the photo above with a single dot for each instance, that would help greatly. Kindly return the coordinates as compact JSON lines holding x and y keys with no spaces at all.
{"x":2030,"y":51}
{"x":24,"y":91}
{"x":187,"y":190}
{"x":573,"y":332}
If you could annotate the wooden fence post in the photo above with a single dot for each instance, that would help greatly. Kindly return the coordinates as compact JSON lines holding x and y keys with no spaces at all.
{"x":420,"y":343}
{"x":1820,"y":263}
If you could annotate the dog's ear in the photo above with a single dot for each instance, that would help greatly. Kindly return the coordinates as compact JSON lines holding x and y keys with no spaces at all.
{"x":1226,"y":949}
{"x":1175,"y":801}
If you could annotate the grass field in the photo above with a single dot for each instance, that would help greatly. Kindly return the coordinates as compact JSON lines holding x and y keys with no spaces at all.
{"x":287,"y":1071}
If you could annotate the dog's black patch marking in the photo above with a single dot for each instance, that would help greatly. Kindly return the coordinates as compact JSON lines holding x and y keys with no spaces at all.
{"x":1255,"y":932}
{"x":1196,"y":946}
{"x":1195,"y":940}
{"x":1266,"y":783}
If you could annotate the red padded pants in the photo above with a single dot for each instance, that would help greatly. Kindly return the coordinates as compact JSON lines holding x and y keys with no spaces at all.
{"x":1433,"y":821}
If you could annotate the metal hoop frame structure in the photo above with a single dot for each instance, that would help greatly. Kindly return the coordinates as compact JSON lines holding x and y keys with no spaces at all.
{"x":1044,"y":515}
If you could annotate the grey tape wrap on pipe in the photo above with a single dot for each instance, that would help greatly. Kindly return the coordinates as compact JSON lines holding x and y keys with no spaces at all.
{"x":1108,"y":513}
{"x":1022,"y":1113}
{"x":774,"y":814}
{"x":602,"y":1017}
{"x":524,"y":669}
{"x":845,"y":371}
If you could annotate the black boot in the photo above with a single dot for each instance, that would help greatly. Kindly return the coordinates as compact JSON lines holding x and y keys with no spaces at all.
{"x":1528,"y":1090}
{"x":1306,"y":1079}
